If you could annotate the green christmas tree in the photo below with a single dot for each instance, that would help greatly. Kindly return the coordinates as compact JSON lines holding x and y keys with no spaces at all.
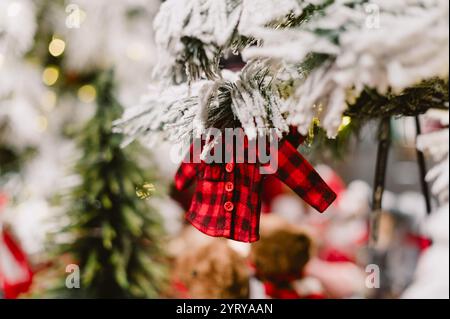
{"x":114,"y":233}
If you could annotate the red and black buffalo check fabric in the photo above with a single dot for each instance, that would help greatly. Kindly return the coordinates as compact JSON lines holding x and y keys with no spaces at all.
{"x":227,"y":201}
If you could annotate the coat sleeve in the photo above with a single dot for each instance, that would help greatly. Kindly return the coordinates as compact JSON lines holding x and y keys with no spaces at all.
{"x":188,"y":170}
{"x":296,"y":172}
{"x":294,"y":137}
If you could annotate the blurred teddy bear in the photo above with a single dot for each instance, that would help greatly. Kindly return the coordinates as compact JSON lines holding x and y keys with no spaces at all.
{"x":279,"y":258}
{"x":213,"y":270}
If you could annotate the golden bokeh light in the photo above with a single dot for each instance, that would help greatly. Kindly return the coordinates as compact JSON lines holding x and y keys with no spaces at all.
{"x":87,"y":93}
{"x":56,"y":47}
{"x":50,"y":75}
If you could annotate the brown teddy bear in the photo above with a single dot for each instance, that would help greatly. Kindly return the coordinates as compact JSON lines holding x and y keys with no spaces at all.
{"x":279,"y":258}
{"x":213,"y":270}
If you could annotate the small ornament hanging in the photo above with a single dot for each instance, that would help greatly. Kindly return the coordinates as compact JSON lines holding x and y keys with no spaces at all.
{"x":145,"y":191}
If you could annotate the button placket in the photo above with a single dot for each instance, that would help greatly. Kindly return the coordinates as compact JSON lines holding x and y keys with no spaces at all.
{"x":229,"y":167}
{"x":229,"y":186}
{"x":229,"y":206}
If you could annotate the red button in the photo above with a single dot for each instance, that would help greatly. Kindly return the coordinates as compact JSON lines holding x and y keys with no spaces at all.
{"x":229,"y":167}
{"x":228,"y":206}
{"x":229,"y":186}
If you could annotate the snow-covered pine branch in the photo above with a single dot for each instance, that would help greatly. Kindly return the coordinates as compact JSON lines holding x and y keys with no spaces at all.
{"x":192,"y":35}
{"x":164,"y":113}
{"x":394,"y":46}
{"x":180,"y":111}
{"x":306,"y":59}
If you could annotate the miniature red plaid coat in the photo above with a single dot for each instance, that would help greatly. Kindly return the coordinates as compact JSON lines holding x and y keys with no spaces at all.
{"x":227,"y":199}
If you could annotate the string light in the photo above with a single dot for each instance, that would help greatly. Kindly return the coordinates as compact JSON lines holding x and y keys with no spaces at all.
{"x":87,"y":93}
{"x":50,"y":75}
{"x":56,"y":47}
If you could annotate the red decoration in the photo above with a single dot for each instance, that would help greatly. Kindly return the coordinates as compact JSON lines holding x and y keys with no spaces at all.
{"x":15,"y":272}
{"x":221,"y":210}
